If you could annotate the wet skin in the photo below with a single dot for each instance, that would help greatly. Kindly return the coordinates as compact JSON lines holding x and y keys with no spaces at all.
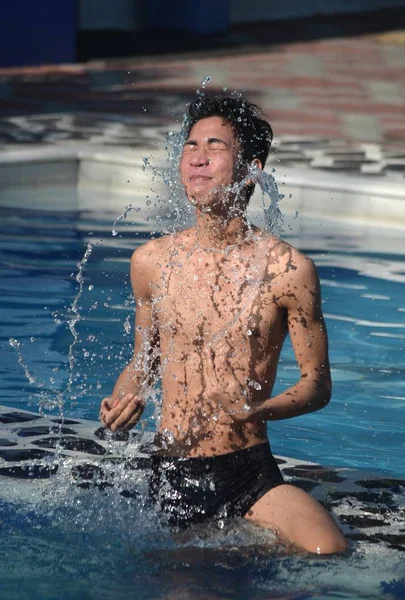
{"x":214,"y":305}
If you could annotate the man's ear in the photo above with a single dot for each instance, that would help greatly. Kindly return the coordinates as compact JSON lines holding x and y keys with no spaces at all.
{"x":256,"y":163}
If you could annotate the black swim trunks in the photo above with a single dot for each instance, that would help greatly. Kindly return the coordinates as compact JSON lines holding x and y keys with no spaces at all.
{"x":192,"y":490}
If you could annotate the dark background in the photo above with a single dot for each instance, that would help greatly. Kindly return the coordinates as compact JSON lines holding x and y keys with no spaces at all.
{"x":67,"y":31}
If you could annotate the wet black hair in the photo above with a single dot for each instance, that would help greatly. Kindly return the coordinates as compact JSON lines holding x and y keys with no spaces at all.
{"x":253,"y":132}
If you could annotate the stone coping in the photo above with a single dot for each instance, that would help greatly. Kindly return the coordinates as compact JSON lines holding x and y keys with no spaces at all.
{"x":121,"y":171}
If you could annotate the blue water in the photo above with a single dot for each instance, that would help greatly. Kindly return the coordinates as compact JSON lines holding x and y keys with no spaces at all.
{"x":85,"y":547}
{"x":363,"y":302}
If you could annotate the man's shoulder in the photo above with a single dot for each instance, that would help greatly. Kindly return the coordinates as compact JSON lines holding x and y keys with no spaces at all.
{"x":290,"y":258}
{"x":294,"y":276}
{"x":147,"y":262}
{"x":152,"y":251}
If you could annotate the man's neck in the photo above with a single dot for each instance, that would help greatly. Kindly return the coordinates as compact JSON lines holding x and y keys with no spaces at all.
{"x":216,"y":232}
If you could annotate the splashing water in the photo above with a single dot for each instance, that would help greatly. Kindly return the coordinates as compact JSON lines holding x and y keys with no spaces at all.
{"x":49,"y":398}
{"x":31,"y":378}
{"x":74,"y":320}
{"x":272,"y":214}
{"x":128,"y":209}
{"x":91,"y":512}
{"x":205,"y":81}
{"x":177,"y":213}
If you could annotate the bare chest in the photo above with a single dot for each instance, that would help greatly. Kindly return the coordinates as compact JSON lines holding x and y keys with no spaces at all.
{"x":204,"y":300}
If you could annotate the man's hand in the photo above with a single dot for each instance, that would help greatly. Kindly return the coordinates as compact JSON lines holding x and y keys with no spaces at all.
{"x":234,"y":398}
{"x":121,"y":414}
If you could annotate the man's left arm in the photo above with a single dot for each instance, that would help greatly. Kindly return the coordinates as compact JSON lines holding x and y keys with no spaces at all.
{"x":306,"y":326}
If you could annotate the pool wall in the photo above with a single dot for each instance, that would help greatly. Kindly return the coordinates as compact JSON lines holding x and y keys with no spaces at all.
{"x":120,"y":172}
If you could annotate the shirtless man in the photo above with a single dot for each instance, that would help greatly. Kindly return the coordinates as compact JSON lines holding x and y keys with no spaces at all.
{"x":214,"y":305}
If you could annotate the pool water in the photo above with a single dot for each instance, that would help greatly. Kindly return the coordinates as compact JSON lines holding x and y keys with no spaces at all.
{"x":73,"y":545}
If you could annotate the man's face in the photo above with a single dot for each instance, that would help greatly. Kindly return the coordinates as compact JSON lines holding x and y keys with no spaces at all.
{"x":209,"y":160}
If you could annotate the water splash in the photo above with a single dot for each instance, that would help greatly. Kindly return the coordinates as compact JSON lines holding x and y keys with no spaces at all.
{"x":128,"y":209}
{"x":205,"y":81}
{"x":175,"y":211}
{"x":127,"y":325}
{"x":75,"y":318}
{"x":272,"y":215}
{"x":31,"y":378}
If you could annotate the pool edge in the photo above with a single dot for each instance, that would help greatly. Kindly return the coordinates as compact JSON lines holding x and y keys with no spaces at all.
{"x":119,"y":170}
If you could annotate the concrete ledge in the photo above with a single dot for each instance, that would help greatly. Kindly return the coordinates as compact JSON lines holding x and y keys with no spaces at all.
{"x":373,"y":201}
{"x":38,"y":167}
{"x":120,"y":172}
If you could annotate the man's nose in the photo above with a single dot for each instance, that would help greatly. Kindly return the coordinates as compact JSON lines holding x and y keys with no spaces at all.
{"x":200,"y":158}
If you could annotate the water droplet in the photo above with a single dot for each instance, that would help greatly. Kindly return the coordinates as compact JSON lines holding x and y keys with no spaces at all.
{"x":121,"y":217}
{"x":254,"y":384}
{"x":91,"y":287}
{"x":127,"y":325}
{"x":205,"y":81}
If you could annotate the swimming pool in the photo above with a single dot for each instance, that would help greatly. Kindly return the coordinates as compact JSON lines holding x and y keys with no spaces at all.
{"x":362,"y":271}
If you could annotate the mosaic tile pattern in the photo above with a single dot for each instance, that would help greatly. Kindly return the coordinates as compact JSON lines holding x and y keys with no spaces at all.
{"x":369,"y":508}
{"x":335,"y":104}
{"x":134,"y":132}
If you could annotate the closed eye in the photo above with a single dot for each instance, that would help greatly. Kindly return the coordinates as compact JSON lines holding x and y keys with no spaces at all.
{"x":217,"y":141}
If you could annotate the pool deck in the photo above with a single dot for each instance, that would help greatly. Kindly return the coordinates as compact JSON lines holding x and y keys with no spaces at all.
{"x":337,"y":105}
{"x":347,"y":93}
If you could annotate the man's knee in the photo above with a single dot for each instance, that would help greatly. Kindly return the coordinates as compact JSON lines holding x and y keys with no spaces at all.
{"x":299,"y":519}
{"x":327,"y":544}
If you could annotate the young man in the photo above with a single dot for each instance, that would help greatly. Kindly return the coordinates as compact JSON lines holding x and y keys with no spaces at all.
{"x":214,"y":305}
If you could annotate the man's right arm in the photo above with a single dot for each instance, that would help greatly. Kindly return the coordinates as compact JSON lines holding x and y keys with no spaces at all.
{"x":123,"y":409}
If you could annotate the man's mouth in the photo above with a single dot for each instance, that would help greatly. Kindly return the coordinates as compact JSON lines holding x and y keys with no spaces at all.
{"x":199,"y":178}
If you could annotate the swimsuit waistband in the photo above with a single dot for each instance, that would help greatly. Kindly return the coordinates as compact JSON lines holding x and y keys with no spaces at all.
{"x":245,"y":454}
